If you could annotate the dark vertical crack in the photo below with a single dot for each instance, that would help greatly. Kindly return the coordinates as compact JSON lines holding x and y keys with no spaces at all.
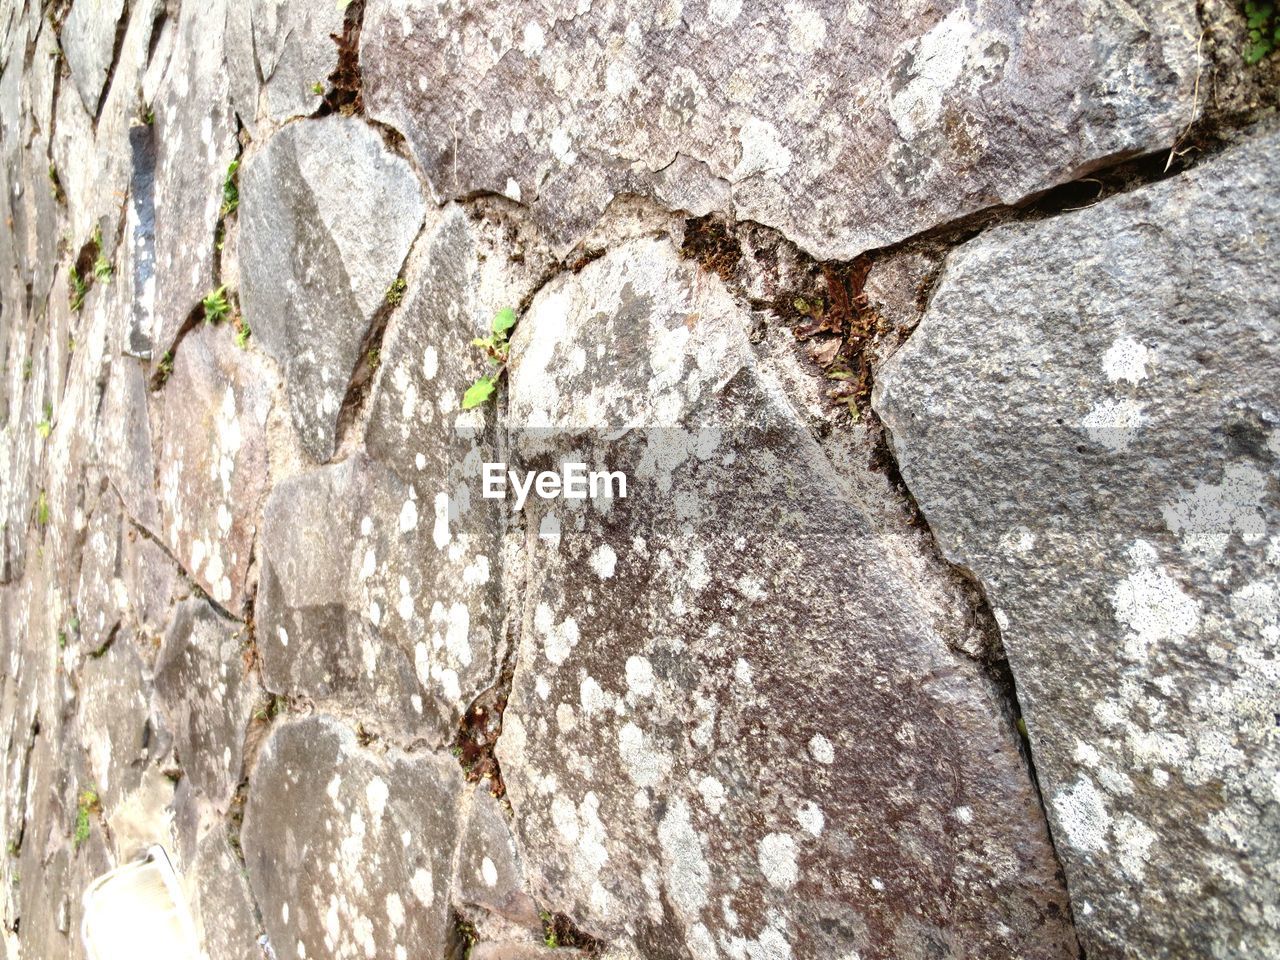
{"x":117,"y":47}
{"x":182,"y":571}
{"x":142,"y":194}
{"x":345,"y":94}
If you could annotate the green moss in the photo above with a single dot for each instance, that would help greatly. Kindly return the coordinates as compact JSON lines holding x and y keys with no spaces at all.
{"x":79,"y":289}
{"x":231,"y":189}
{"x":216,"y":306}
{"x":89,"y":804}
{"x":1264,"y":30}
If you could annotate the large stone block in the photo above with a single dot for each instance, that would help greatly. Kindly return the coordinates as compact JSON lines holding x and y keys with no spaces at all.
{"x":327,"y":216}
{"x":1089,"y":416}
{"x":208,"y":694}
{"x":211,"y":428}
{"x":735,"y":730}
{"x":195,"y":144}
{"x":350,"y":853}
{"x":845,"y":126}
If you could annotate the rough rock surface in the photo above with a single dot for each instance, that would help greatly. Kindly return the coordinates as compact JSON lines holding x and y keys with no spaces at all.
{"x":256,"y":607}
{"x":686,"y":765}
{"x":328,"y":217}
{"x":89,"y":46}
{"x":207,"y":697}
{"x":294,"y":52}
{"x":195,"y":137}
{"x":213,"y":447}
{"x":378,"y":831}
{"x":1106,"y":462}
{"x":846,"y":126}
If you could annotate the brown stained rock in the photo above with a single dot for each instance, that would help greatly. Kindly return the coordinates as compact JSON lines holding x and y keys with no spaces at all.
{"x":734,"y":728}
{"x":847,"y":127}
{"x":488,"y":874}
{"x":1089,"y":418}
{"x":208,"y":695}
{"x":211,"y":430}
{"x":350,"y":853}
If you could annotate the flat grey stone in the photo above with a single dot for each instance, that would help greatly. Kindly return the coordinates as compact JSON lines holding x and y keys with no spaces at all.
{"x":327,"y":215}
{"x":211,"y":428}
{"x":1089,"y":417}
{"x":488,"y":873}
{"x":113,"y":718}
{"x":222,"y":905}
{"x":205,"y":688}
{"x":295,"y":51}
{"x":735,"y":728}
{"x":847,"y":127}
{"x":377,"y":832}
{"x":88,"y":41}
{"x":348,"y":612}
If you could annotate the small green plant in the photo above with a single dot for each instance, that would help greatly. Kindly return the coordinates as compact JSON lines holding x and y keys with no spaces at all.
{"x":243,"y":333}
{"x":14,"y":848}
{"x":102,"y":269}
{"x":45,"y":426}
{"x":231,"y":190}
{"x":26,"y":369}
{"x":497,"y":347}
{"x":42,"y":509}
{"x":216,"y":306}
{"x":549,"y":930}
{"x":395,"y":292}
{"x":164,"y":369}
{"x":1264,"y":30}
{"x":89,"y":804}
{"x":79,"y":289}
{"x":318,"y":88}
{"x":149,"y":117}
{"x":62,"y":639}
{"x":55,"y":184}
{"x":374,"y":357}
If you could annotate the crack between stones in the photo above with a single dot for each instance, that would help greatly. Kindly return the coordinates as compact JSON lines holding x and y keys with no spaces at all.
{"x":847,"y":314}
{"x":117,"y":47}
{"x":196,"y":589}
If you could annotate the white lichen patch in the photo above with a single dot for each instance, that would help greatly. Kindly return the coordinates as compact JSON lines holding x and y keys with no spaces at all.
{"x":1151,"y":604}
{"x":1082,"y":816}
{"x":1207,"y":517}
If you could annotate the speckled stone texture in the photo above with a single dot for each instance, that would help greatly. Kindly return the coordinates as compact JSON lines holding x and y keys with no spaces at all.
{"x":990,"y":678}
{"x":847,"y":126}
{"x":1089,"y":417}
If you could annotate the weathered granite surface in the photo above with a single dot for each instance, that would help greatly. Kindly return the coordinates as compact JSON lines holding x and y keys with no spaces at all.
{"x":1089,"y":417}
{"x":845,"y":126}
{"x":208,"y":697}
{"x":708,"y":731}
{"x":254,"y":606}
{"x":328,"y":214}
{"x":377,"y":831}
{"x":212,"y":445}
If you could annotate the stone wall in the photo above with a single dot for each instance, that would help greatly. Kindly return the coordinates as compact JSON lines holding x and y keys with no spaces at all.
{"x":940,"y":345}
